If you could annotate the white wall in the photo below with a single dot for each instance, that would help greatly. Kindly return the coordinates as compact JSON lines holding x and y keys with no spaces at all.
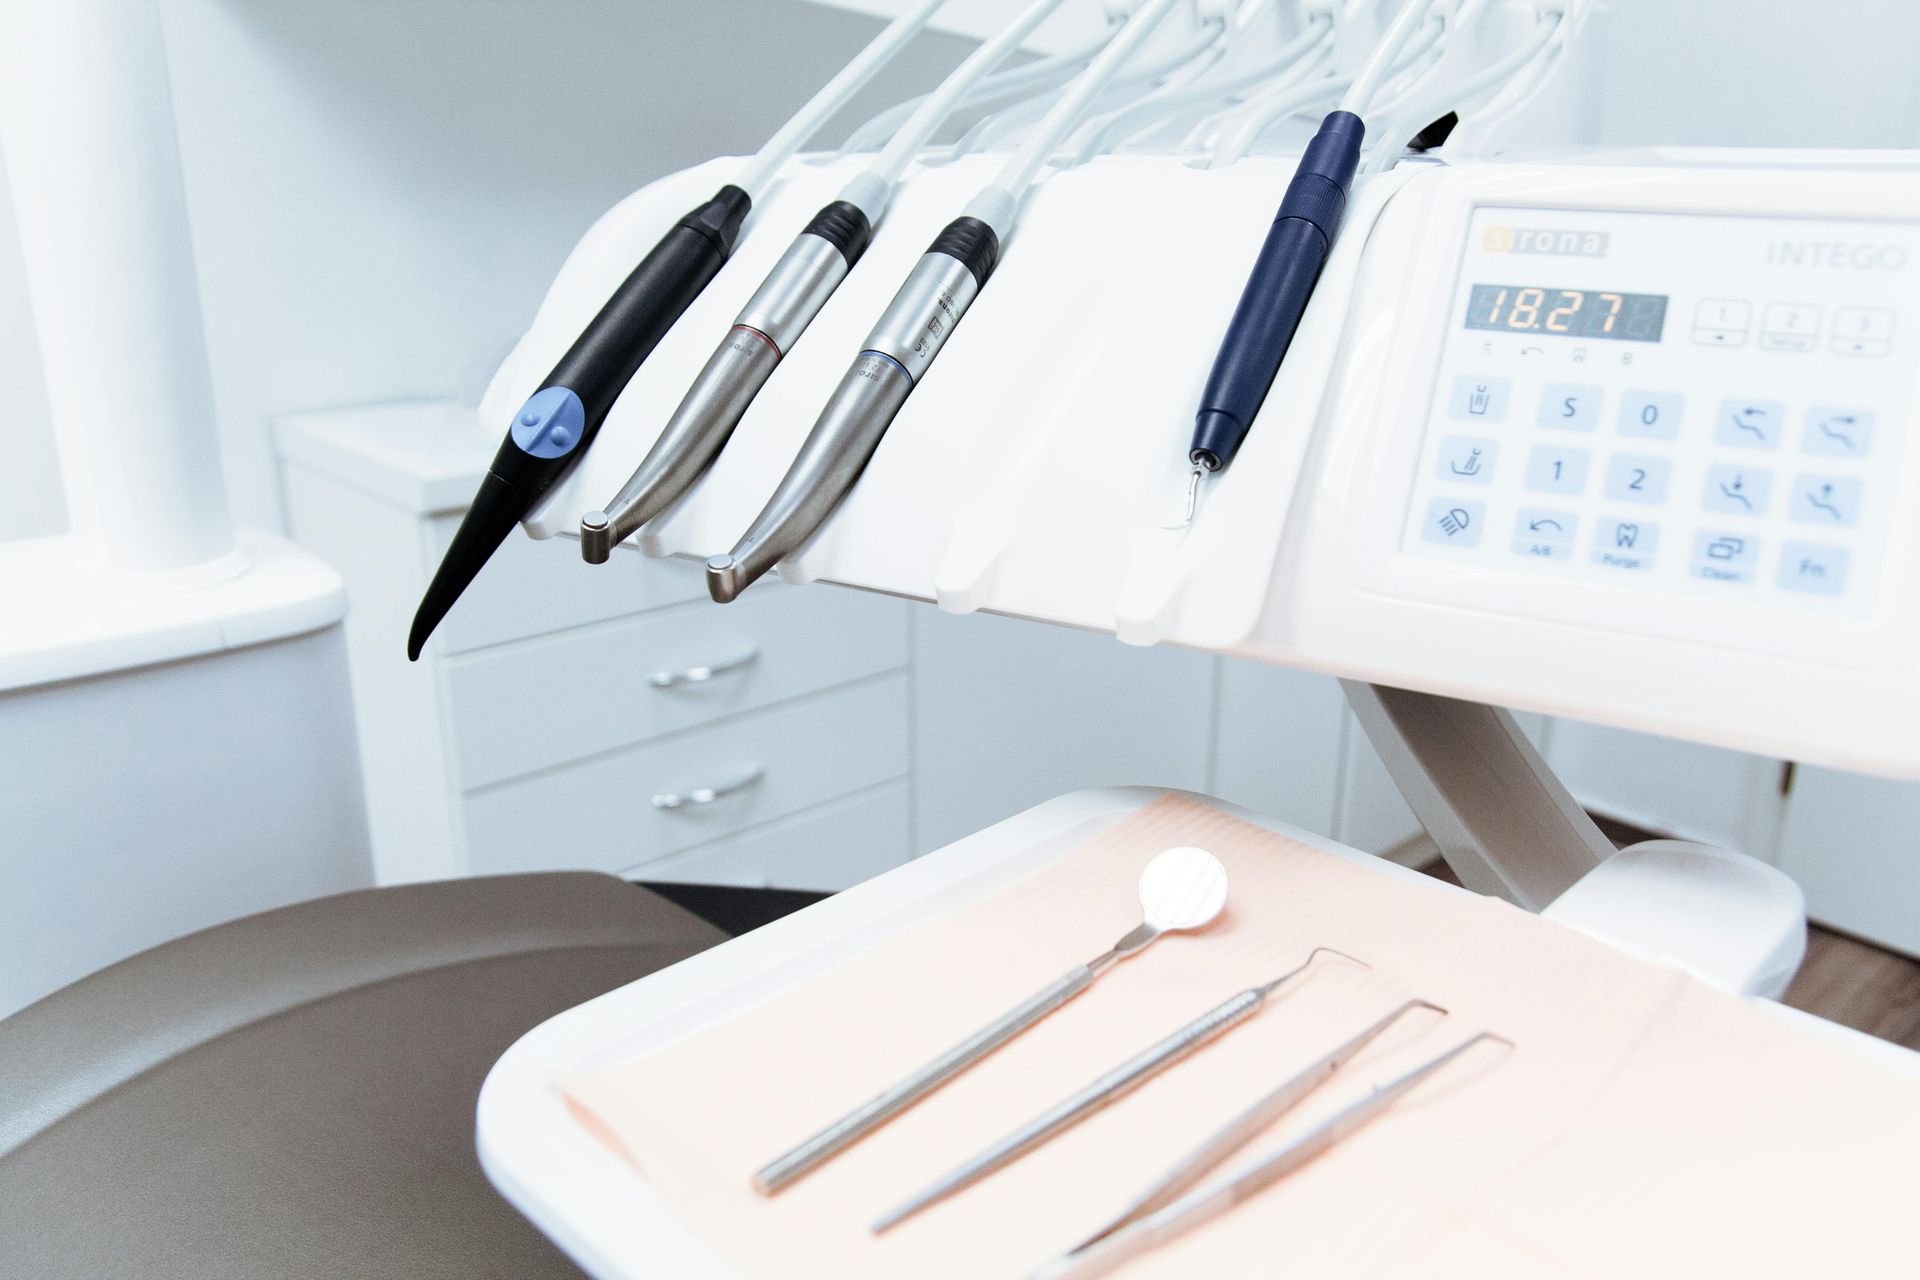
{"x":380,"y":192}
{"x":31,"y":501}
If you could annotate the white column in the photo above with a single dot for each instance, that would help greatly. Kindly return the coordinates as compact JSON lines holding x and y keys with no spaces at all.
{"x":95,"y":169}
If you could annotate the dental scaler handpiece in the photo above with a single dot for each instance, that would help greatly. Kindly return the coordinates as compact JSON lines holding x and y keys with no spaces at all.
{"x":910,"y":333}
{"x":558,"y":422}
{"x":771,"y":322}
{"x":1275,"y":297}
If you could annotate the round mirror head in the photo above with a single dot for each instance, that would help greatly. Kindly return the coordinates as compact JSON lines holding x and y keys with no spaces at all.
{"x":1183,"y":888}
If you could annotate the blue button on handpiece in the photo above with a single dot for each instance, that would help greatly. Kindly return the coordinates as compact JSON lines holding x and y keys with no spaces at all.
{"x":550,"y":423}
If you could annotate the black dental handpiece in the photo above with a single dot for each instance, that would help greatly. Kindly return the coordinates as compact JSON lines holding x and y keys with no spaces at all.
{"x":553,"y":428}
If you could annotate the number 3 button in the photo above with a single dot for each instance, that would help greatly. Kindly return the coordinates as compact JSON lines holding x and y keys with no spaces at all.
{"x":1631,"y":479}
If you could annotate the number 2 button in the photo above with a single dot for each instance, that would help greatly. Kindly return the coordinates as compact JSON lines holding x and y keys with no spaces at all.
{"x":1631,"y":479}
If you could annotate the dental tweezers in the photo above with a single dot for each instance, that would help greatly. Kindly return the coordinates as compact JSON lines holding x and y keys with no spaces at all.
{"x":1158,"y":1217}
{"x":1109,"y":1088}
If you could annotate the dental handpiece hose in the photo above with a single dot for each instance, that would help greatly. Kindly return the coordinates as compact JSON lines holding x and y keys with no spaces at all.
{"x":553,"y":429}
{"x":1275,"y":297}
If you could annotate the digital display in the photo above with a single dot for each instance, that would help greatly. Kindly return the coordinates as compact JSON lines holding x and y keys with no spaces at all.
{"x":1574,"y":313}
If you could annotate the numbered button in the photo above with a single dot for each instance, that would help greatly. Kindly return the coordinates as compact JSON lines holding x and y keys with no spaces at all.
{"x":1652,"y":415}
{"x":1454,"y":522}
{"x":1479,"y":399}
{"x":1637,"y":479}
{"x":1750,"y":424}
{"x":1625,"y":544}
{"x":1570,"y":406}
{"x":1737,"y":491}
{"x":1552,"y":469}
{"x":1789,"y":326}
{"x":1809,"y":567}
{"x":1830,"y":500}
{"x":1862,"y":331}
{"x":1845,"y":433}
{"x":1466,"y":459}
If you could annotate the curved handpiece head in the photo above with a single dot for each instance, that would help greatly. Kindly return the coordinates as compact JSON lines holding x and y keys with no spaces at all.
{"x":691,"y":440}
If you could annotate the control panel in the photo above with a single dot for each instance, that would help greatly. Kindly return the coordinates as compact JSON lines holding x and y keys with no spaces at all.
{"x":1713,"y":405}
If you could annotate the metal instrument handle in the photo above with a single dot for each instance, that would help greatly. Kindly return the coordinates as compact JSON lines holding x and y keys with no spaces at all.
{"x":857,"y":1123}
{"x":701,"y":674}
{"x":707,"y":795}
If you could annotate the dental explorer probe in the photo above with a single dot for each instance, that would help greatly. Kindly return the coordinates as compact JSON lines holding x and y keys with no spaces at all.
{"x":1181,"y":889}
{"x":909,"y":334}
{"x":553,"y":429}
{"x":1197,"y":1208}
{"x":1109,"y":1088}
{"x":1283,"y":276}
{"x":782,"y":307}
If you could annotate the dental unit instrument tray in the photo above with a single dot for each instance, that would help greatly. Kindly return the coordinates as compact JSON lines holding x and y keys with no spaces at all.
{"x":1642,"y":415}
{"x":629,"y":1129}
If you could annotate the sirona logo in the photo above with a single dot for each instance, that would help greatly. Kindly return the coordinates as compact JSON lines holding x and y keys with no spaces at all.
{"x":1574,"y":244}
{"x":1837,"y":255}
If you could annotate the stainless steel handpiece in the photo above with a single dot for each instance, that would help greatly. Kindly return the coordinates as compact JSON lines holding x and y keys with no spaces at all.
{"x":772,"y":321}
{"x":915,"y":325}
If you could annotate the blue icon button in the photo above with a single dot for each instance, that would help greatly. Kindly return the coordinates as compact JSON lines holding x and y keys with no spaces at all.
{"x":1570,"y":406}
{"x":1479,"y":399}
{"x":1652,"y":415}
{"x":1466,"y":459}
{"x":1543,"y":533}
{"x":1813,"y":569}
{"x":1750,"y":424}
{"x":1833,"y":501}
{"x":1721,"y":556}
{"x":1552,"y":469}
{"x":1737,"y":491}
{"x":1454,"y":522}
{"x":1841,"y":433}
{"x":1625,"y":544}
{"x":1637,"y":479}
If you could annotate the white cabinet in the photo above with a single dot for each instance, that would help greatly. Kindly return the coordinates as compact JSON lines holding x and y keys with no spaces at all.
{"x":1853,"y":843}
{"x":1720,"y":797}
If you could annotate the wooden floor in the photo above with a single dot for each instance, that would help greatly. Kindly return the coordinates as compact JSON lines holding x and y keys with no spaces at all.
{"x":1844,"y":980}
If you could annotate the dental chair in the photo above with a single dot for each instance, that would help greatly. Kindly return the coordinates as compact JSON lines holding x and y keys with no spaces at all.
{"x":292,"y":1094}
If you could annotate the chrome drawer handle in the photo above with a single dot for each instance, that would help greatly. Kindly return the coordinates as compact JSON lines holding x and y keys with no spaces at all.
{"x":707,"y":795}
{"x":701,"y":674}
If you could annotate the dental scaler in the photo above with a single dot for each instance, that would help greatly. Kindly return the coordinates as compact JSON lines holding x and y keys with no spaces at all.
{"x":554,"y":428}
{"x":915,"y":326}
{"x":1274,"y":299}
{"x":781,"y":309}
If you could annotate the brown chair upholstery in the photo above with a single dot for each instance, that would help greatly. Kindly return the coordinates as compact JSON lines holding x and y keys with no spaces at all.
{"x":292,"y":1094}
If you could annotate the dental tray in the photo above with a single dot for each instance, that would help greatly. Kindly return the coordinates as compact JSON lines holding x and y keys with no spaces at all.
{"x":613,"y":1221}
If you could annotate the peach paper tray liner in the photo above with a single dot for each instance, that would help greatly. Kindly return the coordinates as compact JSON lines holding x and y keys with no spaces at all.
{"x":1645,"y":1125}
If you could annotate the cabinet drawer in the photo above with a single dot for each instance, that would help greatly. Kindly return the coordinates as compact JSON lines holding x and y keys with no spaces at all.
{"x":575,"y":695}
{"x":530,"y":588}
{"x":826,"y":849}
{"x":603,"y":814}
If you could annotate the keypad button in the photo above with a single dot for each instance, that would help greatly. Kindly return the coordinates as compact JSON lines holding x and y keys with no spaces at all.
{"x":1789,"y":326}
{"x":1466,"y":460}
{"x":1750,"y":424}
{"x":1638,"y":479}
{"x":1862,"y":331}
{"x":1814,"y":569}
{"x":1553,"y":469}
{"x":1454,"y":522}
{"x":1833,"y":501}
{"x":1737,"y":491}
{"x":1625,"y":544}
{"x":1722,"y":322}
{"x":1544,"y":533}
{"x":1570,"y":406}
{"x":1844,"y":433}
{"x":1652,"y":415}
{"x":1720,"y":556}
{"x":1477,"y":399}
